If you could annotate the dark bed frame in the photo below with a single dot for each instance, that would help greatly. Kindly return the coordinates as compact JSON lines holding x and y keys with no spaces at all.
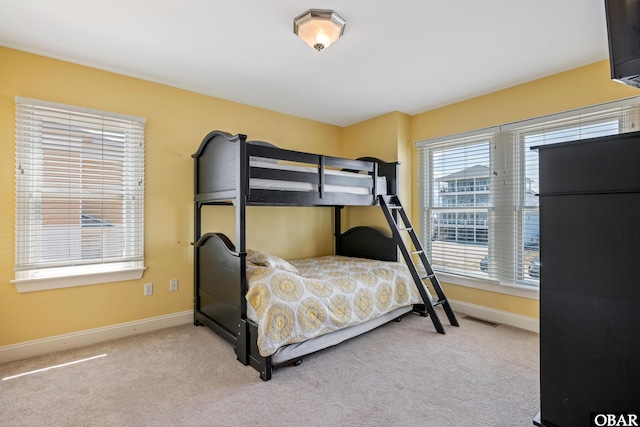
{"x":222,"y":173}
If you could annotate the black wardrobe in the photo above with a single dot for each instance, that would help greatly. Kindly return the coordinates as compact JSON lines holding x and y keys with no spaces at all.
{"x":590,"y":279}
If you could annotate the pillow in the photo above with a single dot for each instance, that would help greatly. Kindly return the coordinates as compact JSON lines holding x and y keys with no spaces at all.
{"x":272,"y":261}
{"x":262,"y":159}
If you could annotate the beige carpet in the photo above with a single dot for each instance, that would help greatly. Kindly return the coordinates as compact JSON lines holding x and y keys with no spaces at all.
{"x":402,"y":374}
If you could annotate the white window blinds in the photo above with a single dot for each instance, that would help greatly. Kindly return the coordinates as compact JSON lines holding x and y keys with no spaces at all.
{"x":456,"y":197}
{"x":478,"y":191}
{"x":79,"y":190}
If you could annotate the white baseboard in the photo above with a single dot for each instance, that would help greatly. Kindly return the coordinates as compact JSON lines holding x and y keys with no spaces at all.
{"x":28,"y":349}
{"x":34,"y":348}
{"x":496,"y":316}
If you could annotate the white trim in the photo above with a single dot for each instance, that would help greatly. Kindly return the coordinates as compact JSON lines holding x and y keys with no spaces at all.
{"x":456,"y":138}
{"x":47,"y":283}
{"x":9,"y":353}
{"x":592,"y":109}
{"x":497,"y":316}
{"x":39,"y":347}
{"x":529,"y":292}
{"x":47,"y":104}
{"x":625,"y":102}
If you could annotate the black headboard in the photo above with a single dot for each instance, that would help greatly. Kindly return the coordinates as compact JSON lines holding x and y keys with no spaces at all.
{"x":388,"y":170}
{"x":367,"y":242}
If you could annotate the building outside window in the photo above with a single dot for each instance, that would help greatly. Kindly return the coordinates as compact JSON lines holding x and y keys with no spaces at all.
{"x":79,"y":196}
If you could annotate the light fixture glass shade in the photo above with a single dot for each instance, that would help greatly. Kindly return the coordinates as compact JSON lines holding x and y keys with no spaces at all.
{"x":319,"y":28}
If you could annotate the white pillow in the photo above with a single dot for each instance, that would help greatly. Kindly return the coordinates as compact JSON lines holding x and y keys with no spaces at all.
{"x":268,"y":260}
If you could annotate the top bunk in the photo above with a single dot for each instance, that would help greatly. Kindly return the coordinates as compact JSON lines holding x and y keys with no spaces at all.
{"x":231,"y":170}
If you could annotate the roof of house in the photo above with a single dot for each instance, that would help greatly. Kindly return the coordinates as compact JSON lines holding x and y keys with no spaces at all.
{"x":477,"y":171}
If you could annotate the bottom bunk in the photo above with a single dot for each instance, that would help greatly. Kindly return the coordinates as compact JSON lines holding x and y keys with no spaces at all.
{"x":274,"y":312}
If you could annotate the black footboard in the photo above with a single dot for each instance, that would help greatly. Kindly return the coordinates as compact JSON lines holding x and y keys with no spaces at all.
{"x":219,"y":272}
{"x":220,"y":304}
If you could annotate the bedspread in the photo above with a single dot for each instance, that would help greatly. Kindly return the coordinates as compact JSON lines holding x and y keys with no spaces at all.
{"x":301,"y":299}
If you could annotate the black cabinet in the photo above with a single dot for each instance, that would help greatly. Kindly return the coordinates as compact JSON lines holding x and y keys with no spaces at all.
{"x":590,"y":279}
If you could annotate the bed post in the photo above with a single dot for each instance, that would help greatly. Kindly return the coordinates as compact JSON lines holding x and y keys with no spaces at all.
{"x":197,"y":233}
{"x":240,"y":204}
{"x":197,"y":213}
{"x":337,"y":227}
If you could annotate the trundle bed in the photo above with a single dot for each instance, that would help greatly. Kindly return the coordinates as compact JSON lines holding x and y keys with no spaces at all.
{"x":274,"y":312}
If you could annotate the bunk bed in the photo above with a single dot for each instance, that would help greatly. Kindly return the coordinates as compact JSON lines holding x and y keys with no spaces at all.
{"x":229,"y":170}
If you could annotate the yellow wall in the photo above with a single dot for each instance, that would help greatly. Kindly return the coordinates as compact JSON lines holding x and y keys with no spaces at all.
{"x":387,"y":138}
{"x":372,"y":138}
{"x":177,"y":120}
{"x":581,"y":87}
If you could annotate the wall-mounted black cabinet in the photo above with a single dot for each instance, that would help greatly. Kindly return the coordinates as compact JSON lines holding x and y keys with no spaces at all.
{"x":590,"y":279}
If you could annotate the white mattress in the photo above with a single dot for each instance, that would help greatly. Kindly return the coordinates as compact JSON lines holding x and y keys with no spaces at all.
{"x":272,"y":184}
{"x":297,"y":350}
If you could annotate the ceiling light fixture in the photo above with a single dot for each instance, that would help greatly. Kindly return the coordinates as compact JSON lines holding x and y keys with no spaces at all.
{"x":318,"y":27}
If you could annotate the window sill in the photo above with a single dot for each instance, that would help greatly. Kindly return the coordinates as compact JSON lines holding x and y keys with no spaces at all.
{"x":490,"y":285}
{"x":73,"y":280}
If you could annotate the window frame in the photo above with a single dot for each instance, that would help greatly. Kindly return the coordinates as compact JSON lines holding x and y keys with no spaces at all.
{"x":32,"y":274}
{"x":509,"y":143}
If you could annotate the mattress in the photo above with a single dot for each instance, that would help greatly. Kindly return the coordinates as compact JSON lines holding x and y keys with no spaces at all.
{"x":308,"y":298}
{"x":272,"y":184}
{"x":295,"y":351}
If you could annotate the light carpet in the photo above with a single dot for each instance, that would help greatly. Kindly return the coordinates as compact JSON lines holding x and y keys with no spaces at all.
{"x":400,"y":374}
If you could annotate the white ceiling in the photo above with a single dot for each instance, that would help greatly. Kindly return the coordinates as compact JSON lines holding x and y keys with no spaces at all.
{"x":395,"y":55}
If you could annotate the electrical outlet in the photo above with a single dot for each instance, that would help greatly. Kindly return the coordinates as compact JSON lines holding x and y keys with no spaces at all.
{"x":173,"y":285}
{"x":148,"y":289}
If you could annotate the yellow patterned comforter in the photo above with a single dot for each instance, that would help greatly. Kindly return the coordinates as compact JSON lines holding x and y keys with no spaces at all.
{"x":301,"y":299}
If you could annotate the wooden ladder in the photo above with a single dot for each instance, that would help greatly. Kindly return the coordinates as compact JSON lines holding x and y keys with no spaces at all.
{"x":390,"y":205}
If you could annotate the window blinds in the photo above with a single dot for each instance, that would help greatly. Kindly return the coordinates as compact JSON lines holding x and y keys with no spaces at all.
{"x":478,"y":191}
{"x":79,"y":190}
{"x":456,"y":197}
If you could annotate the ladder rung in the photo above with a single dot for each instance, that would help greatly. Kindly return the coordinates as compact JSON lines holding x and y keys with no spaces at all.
{"x":427,"y":309}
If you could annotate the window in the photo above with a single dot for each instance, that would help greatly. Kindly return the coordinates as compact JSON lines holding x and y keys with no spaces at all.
{"x":478,"y":194}
{"x":455,"y":222}
{"x":79,"y":196}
